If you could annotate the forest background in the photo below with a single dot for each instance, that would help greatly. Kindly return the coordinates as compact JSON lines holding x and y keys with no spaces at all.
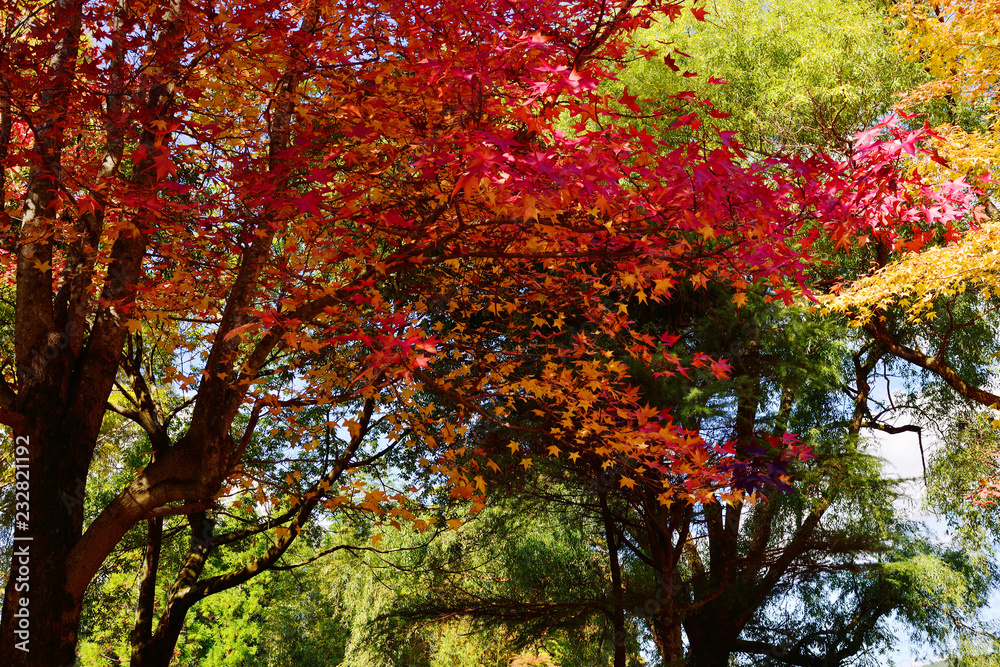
{"x":571,"y":334}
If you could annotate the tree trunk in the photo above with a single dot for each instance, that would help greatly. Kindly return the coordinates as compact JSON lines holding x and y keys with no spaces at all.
{"x":666,"y":628}
{"x":708,"y":655}
{"x":40,"y":615}
{"x":710,"y":642}
{"x":158,"y":650}
{"x":143,"y":627}
{"x":618,"y":612}
{"x":155,"y":649}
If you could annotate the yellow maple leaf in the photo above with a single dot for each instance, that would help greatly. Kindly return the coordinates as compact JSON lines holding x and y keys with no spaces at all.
{"x":530,"y":210}
{"x":662,"y":286}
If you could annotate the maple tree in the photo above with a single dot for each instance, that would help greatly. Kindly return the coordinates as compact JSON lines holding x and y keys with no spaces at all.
{"x":922,"y":307}
{"x":279,"y":197}
{"x":955,"y":43}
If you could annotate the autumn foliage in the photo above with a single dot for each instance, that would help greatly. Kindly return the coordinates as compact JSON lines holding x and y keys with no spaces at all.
{"x":951,"y":287}
{"x":362,"y":205}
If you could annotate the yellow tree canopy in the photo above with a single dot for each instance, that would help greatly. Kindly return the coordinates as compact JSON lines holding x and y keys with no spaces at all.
{"x":957,"y":43}
{"x":916,"y":281}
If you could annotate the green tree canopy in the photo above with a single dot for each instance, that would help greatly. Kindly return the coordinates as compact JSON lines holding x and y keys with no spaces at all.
{"x":800,"y":74}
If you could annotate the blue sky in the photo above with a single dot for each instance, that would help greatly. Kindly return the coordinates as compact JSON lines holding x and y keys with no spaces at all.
{"x":902,"y":455}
